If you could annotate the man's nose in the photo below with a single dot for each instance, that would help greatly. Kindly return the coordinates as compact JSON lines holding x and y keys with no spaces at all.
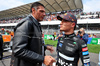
{"x":44,"y":14}
{"x":61,"y":23}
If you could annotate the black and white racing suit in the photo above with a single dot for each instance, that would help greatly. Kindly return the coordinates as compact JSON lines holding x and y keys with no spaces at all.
{"x":70,"y":48}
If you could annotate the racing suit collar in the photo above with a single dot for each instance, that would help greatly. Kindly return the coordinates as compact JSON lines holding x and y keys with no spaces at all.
{"x":70,"y":35}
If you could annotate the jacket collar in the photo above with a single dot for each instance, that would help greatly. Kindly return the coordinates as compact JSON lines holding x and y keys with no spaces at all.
{"x":70,"y":35}
{"x":34,"y":20}
{"x":33,"y":17}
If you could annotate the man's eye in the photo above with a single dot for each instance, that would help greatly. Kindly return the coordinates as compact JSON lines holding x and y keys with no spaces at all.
{"x":41,"y":11}
{"x":65,"y":20}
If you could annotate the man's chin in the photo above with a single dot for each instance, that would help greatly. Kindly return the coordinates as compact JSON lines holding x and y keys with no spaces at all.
{"x":61,"y":30}
{"x":40,"y":20}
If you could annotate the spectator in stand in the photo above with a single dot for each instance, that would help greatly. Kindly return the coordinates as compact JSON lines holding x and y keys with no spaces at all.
{"x":7,"y":32}
{"x":11,"y":33}
{"x":89,"y":35}
{"x":2,"y":31}
{"x":81,"y":34}
{"x":53,"y":37}
{"x":93,"y":36}
{"x":58,"y":37}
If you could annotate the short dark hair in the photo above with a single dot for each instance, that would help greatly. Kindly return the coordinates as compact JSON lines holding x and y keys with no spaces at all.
{"x":36,"y":4}
{"x":74,"y":27}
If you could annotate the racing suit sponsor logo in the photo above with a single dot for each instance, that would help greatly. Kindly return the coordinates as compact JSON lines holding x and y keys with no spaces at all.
{"x":86,"y":56}
{"x":86,"y":60}
{"x":71,"y":44}
{"x":63,"y":63}
{"x":84,"y":45}
{"x":74,"y":38}
{"x":84,"y":49}
{"x":69,"y":48}
{"x":67,"y":38}
{"x":66,"y":57}
{"x":74,"y":42}
{"x":60,"y":44}
{"x":71,"y":35}
{"x":85,"y":53}
{"x":61,"y":41}
{"x":87,"y":64}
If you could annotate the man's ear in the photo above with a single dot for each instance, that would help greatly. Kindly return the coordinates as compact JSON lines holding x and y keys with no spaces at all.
{"x":33,"y":10}
{"x":73,"y":24}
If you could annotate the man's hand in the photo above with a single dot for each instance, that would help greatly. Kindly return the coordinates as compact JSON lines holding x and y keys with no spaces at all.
{"x":81,"y":34}
{"x":76,"y":33}
{"x":48,"y":60}
{"x":50,"y":48}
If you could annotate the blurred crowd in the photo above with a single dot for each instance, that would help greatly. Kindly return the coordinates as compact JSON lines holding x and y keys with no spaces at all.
{"x":6,"y":32}
{"x":90,"y":15}
{"x":92,"y":35}
{"x":52,"y":16}
{"x":11,"y":20}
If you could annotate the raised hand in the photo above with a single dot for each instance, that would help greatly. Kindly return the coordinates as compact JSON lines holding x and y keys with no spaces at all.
{"x":50,"y":48}
{"x":48,"y":60}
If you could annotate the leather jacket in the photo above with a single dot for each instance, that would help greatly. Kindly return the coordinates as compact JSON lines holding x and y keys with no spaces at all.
{"x":70,"y":48}
{"x":1,"y":47}
{"x":27,"y":46}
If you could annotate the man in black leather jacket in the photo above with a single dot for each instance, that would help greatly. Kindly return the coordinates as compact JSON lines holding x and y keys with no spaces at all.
{"x":27,"y":46}
{"x":1,"y":47}
{"x":70,"y":47}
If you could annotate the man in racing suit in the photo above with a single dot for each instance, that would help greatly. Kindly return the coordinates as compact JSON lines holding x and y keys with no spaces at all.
{"x":70,"y":47}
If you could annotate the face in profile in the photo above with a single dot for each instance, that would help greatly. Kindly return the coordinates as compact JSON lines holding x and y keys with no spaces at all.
{"x":40,"y":13}
{"x":65,"y":25}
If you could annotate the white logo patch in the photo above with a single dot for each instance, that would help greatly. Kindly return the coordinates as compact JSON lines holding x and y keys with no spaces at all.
{"x":63,"y":63}
{"x":86,"y":60}
{"x":66,"y":57}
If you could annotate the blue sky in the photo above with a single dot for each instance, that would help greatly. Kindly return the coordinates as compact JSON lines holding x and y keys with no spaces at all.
{"x":88,"y":5}
{"x":7,"y":4}
{"x":91,"y":5}
{"x":29,"y":1}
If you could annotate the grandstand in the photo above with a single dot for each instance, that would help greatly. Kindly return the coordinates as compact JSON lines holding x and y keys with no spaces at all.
{"x":90,"y":21}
